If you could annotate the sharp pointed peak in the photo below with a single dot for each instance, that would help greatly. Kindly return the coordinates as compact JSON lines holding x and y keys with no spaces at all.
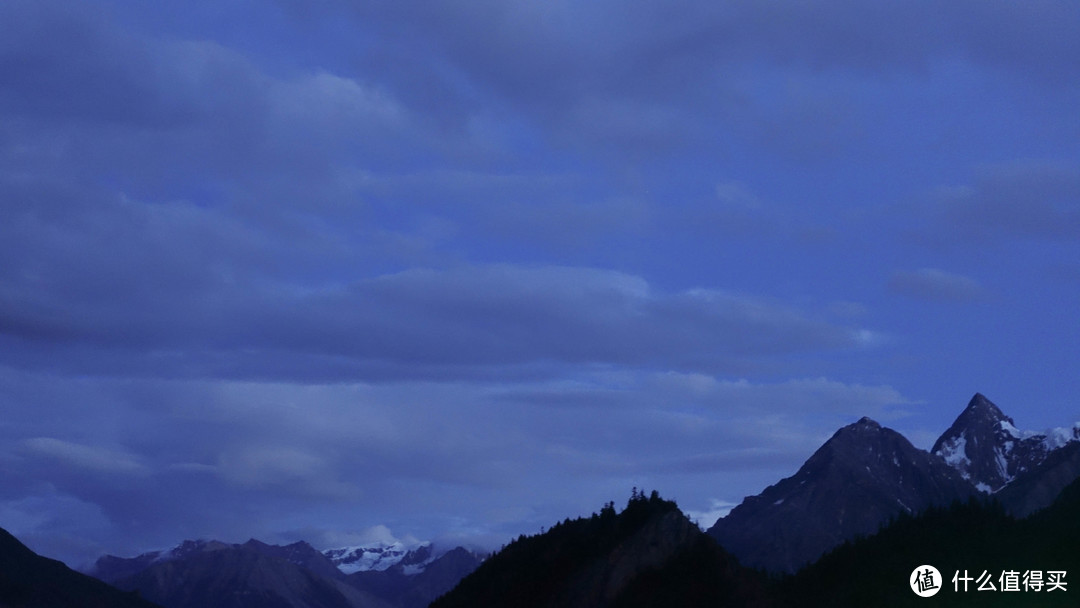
{"x":979,"y":404}
{"x":981,"y":417}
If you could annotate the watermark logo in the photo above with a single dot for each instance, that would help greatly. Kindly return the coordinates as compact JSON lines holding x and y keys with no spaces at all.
{"x":1012,"y":580}
{"x":925,"y":581}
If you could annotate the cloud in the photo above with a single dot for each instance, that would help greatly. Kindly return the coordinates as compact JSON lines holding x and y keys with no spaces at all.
{"x":295,"y":470}
{"x":168,"y":119}
{"x":627,"y":79}
{"x":935,"y":285}
{"x":66,"y":61}
{"x":415,"y":323}
{"x":93,"y":459}
{"x":1023,"y":199}
{"x":333,"y":463}
{"x":335,"y":539}
{"x":717,"y":509}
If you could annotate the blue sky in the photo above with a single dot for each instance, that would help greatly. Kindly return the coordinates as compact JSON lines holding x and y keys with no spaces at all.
{"x":335,"y":270}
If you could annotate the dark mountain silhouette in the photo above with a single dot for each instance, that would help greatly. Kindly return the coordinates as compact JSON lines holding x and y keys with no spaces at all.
{"x":28,"y":580}
{"x":566,"y":566}
{"x":973,"y":537}
{"x":632,"y":558}
{"x":855,"y":482}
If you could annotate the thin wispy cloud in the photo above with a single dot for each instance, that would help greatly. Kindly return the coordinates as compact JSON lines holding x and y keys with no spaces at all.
{"x":937,"y":285}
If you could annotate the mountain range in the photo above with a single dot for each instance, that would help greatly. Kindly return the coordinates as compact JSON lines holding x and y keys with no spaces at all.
{"x":212,"y":574}
{"x":844,"y":530}
{"x":867,"y":474}
{"x":848,"y":529}
{"x":647,"y":556}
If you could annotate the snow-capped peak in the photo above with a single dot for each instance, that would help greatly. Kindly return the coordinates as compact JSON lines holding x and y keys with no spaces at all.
{"x":987,"y":449}
{"x":381,"y":556}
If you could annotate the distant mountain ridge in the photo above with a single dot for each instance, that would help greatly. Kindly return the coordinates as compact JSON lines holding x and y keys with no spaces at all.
{"x":112,"y":568}
{"x":213,"y":574}
{"x":867,"y":474}
{"x":864,"y":478}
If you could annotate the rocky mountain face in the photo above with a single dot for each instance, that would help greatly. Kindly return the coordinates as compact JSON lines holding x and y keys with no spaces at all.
{"x":985,"y":446}
{"x":855,"y":482}
{"x":29,"y":580}
{"x":254,"y":574}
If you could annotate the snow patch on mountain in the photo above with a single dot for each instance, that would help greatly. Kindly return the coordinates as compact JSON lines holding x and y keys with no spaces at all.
{"x":954,"y":451}
{"x":1012,"y":430}
{"x":1059,"y":437}
{"x":1002,"y":465}
{"x":381,"y":556}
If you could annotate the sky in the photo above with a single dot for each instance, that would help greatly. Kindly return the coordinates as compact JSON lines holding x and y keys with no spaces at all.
{"x":346,"y":271}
